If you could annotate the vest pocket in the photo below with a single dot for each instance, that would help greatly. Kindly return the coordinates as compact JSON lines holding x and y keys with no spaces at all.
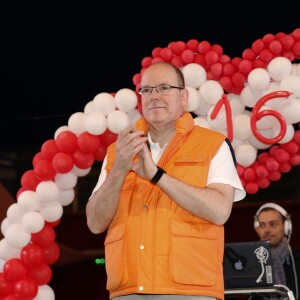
{"x":193,"y":253}
{"x":115,"y":257}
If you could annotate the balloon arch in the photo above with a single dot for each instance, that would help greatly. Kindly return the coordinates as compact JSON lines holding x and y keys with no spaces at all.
{"x":254,"y":100}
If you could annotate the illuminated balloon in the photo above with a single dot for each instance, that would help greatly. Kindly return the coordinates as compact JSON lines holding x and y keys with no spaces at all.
{"x":33,"y":222}
{"x":117,"y":120}
{"x":193,"y":100}
{"x":45,"y":292}
{"x":76,"y":122}
{"x":279,"y":67}
{"x":47,"y":191}
{"x":66,"y":181}
{"x":126,"y":100}
{"x":259,"y":79}
{"x":194,"y":75}
{"x":16,"y":236}
{"x":51,"y":211}
{"x":245,"y":155}
{"x":28,"y":201}
{"x":211,"y":91}
{"x":291,"y":83}
{"x":7,"y":252}
{"x":95,"y":123}
{"x":104,"y":103}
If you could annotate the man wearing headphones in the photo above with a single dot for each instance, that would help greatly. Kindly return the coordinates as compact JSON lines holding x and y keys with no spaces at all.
{"x":273,"y":223}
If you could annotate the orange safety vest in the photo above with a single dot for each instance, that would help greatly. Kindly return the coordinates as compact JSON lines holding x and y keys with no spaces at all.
{"x":154,"y":246}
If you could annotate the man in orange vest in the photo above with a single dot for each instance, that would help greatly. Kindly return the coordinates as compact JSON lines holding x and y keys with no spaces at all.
{"x":165,"y":190}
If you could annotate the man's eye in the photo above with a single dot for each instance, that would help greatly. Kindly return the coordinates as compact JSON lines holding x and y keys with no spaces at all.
{"x":164,"y":88}
{"x":146,"y":90}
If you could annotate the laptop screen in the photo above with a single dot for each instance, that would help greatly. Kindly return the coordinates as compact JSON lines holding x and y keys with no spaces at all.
{"x":247,"y":265}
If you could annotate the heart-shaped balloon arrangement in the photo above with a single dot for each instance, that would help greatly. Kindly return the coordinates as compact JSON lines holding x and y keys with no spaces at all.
{"x":254,"y":100}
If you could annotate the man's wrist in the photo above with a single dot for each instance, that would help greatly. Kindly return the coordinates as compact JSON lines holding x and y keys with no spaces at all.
{"x":159,"y":173}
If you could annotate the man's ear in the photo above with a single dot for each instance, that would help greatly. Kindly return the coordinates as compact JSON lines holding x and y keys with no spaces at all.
{"x":184,"y":97}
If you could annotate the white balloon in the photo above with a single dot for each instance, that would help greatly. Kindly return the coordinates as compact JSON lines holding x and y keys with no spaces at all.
{"x":273,"y":102}
{"x":236,"y":105}
{"x":249,"y":96}
{"x":117,"y":120}
{"x":66,"y":197}
{"x":291,"y":83}
{"x":45,"y":292}
{"x":81,"y":172}
{"x":2,"y":263}
{"x":245,"y":155}
{"x":126,"y":100}
{"x":220,"y":121}
{"x":7,"y":252}
{"x":76,"y":123}
{"x":211,"y":91}
{"x":47,"y":191}
{"x":202,"y":108}
{"x":259,"y":79}
{"x":4,"y":225}
{"x":241,"y":127}
{"x":89,"y":107}
{"x":200,"y":121}
{"x":14,"y":213}
{"x":289,"y":134}
{"x":194,"y":75}
{"x":95,"y":123}
{"x":66,"y":181}
{"x":236,"y":142}
{"x":290,"y":110}
{"x":51,"y":211}
{"x":61,"y":129}
{"x":267,"y":121}
{"x":279,"y":67}
{"x":33,"y":222}
{"x":193,"y":99}
{"x":104,"y":103}
{"x":258,"y":144}
{"x":16,"y":236}
{"x":28,"y":201}
{"x":134,"y":115}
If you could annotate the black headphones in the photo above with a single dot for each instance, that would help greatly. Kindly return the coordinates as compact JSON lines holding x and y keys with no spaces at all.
{"x":282,"y":211}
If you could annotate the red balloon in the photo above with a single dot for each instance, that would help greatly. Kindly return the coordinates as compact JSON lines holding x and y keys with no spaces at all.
{"x":100,"y":153}
{"x":6,"y":287}
{"x":285,"y":167}
{"x":32,"y":255}
{"x":251,"y":188}
{"x":14,"y":269}
{"x":44,"y":170}
{"x":26,"y":288}
{"x":272,"y":164}
{"x":37,"y":158}
{"x":51,"y":254}
{"x":62,"y":163}
{"x":263,"y":182}
{"x":88,"y":142}
{"x":49,"y":149}
{"x":66,"y":141}
{"x":261,"y":171}
{"x":45,"y":237}
{"x":249,"y":174}
{"x":53,"y":224}
{"x":108,"y":137}
{"x":29,"y":180}
{"x":42,"y":274}
{"x":83,"y":160}
{"x":282,"y":156}
{"x":274,"y":176}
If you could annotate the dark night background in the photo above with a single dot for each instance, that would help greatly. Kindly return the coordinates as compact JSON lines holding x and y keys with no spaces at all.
{"x":54,"y":59}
